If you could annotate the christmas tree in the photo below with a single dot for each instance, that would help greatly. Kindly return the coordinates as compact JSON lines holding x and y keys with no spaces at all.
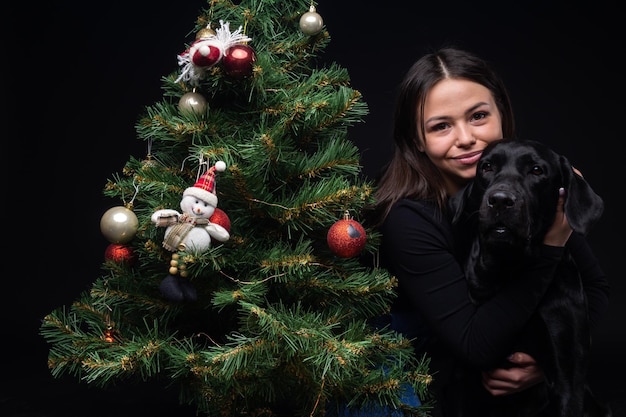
{"x":238,"y":268}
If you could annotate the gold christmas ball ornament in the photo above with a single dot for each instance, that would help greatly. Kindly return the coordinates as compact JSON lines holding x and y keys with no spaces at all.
{"x":148,"y":162}
{"x":119,"y":225}
{"x":192,"y":102}
{"x":109,"y":336}
{"x":205,"y":33}
{"x":311,"y":23}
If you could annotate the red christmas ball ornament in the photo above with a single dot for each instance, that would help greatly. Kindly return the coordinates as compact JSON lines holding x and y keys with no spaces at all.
{"x":120,"y":254}
{"x":239,"y":60}
{"x":346,"y":237}
{"x":206,"y":52}
{"x":221,"y":218}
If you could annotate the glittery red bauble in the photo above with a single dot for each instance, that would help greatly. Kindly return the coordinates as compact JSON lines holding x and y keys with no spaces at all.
{"x":119,"y":253}
{"x":205,"y":53}
{"x":220,"y":217}
{"x":239,"y":60}
{"x":346,"y":238}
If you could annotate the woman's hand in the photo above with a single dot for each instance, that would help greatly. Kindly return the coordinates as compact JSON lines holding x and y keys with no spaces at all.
{"x":560,"y":231}
{"x":523,"y":374}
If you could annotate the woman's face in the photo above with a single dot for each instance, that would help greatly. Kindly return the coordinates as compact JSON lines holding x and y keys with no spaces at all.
{"x":460,"y":119}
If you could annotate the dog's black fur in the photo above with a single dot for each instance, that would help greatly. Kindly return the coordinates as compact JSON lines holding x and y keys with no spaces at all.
{"x":502,"y":216}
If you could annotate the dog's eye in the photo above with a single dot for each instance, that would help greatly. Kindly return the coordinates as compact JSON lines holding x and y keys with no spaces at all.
{"x":536,"y":170}
{"x":486,"y":166}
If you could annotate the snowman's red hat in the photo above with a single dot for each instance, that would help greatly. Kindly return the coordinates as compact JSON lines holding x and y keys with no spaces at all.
{"x":204,"y":188}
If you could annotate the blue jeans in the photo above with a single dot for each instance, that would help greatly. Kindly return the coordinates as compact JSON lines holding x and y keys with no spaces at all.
{"x":408,"y":397}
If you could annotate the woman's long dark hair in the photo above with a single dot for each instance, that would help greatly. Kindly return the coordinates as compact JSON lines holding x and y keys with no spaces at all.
{"x":410,"y":173}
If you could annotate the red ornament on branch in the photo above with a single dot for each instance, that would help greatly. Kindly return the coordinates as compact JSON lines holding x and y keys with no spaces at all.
{"x":239,"y":60}
{"x":220,"y":217}
{"x":206,"y":52}
{"x":210,"y":48}
{"x":346,"y":238}
{"x":120,"y":254}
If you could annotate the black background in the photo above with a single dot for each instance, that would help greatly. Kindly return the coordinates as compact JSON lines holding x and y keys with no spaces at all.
{"x":78,"y":75}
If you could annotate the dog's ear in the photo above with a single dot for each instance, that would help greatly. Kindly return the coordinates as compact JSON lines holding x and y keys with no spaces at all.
{"x":583,"y":207}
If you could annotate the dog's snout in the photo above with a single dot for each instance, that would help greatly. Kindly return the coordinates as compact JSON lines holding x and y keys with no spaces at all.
{"x":501,"y":200}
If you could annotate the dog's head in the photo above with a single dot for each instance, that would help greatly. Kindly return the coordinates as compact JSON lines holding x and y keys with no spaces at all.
{"x":512,"y":200}
{"x":504,"y":213}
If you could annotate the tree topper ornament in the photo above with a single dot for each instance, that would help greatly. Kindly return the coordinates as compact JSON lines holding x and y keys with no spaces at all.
{"x":207,"y":51}
{"x":190,"y":231}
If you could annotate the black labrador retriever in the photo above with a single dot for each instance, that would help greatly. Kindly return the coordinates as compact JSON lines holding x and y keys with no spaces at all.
{"x":500,"y":216}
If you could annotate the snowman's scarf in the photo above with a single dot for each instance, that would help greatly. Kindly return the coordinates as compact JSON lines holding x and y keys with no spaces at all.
{"x":178,"y":231}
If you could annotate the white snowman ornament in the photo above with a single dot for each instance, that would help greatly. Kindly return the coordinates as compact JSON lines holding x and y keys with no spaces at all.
{"x":190,"y":231}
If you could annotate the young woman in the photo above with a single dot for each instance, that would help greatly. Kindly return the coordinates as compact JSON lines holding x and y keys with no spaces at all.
{"x":450,"y":106}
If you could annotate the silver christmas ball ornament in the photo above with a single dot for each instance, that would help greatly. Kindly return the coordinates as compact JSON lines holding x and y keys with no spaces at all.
{"x":192,"y":102}
{"x":119,"y":225}
{"x":311,"y":23}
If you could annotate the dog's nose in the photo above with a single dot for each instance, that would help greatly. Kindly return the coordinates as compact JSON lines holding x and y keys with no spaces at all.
{"x":501,"y":200}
